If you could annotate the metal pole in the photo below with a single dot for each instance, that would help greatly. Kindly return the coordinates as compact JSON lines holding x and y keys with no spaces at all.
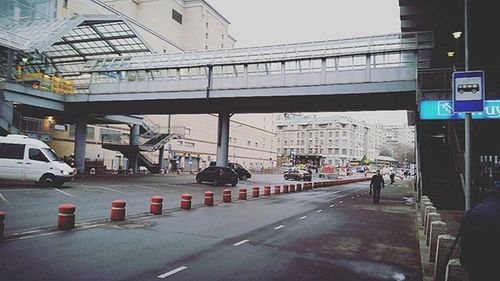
{"x":468,"y":119}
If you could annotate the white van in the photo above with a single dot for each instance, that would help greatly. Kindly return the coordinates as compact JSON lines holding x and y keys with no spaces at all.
{"x":22,"y":158}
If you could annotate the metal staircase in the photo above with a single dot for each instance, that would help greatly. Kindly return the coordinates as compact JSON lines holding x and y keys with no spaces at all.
{"x":13,"y":122}
{"x":152,"y":138}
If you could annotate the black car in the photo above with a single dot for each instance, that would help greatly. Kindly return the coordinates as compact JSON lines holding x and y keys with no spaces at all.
{"x":218,"y":176}
{"x":297,"y":174}
{"x":243,"y":174}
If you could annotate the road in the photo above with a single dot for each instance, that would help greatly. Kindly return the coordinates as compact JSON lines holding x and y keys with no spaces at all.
{"x":323,"y":234}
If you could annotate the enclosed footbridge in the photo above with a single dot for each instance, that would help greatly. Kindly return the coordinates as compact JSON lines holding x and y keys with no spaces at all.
{"x":368,"y":73}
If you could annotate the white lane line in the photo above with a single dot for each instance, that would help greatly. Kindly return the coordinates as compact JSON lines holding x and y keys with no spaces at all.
{"x":280,"y":226}
{"x":65,"y":193}
{"x":331,"y":206}
{"x":241,"y":242}
{"x":319,"y":211}
{"x":34,"y":236}
{"x":172,"y":272}
{"x":24,"y":189}
{"x":91,"y":226}
{"x":341,"y":202}
{"x":110,"y":189}
{"x":301,"y":218}
{"x":26,"y":232}
{"x":4,"y":199}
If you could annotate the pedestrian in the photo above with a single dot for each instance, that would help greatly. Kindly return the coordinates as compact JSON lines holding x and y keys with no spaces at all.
{"x":392,"y":176}
{"x":376,"y":184}
{"x":480,"y":235}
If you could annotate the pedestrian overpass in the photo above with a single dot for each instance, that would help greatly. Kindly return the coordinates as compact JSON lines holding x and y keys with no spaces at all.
{"x":366,"y":73}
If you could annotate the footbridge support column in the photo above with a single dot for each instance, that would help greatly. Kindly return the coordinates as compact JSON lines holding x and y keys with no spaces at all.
{"x":134,"y":143}
{"x":223,"y":139}
{"x":80,"y":143}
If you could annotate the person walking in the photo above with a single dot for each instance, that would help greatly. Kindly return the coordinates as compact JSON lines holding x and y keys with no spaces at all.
{"x":376,"y":184}
{"x":479,"y":235}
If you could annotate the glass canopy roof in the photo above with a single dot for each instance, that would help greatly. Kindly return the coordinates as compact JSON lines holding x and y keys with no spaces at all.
{"x":67,"y":43}
{"x":287,"y":52}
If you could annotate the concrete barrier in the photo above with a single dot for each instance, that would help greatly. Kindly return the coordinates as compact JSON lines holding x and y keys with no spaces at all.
{"x":277,"y":190}
{"x":437,"y":228}
{"x":156,"y":206}
{"x":209,"y":198}
{"x":285,"y":188}
{"x":186,"y":201}
{"x":118,"y":210}
{"x":267,"y":190}
{"x":443,"y":248}
{"x":455,"y":271}
{"x":292,"y":188}
{"x":255,"y":191}
{"x":299,"y":187}
{"x":226,"y":195}
{"x":428,"y":209}
{"x":243,"y":194}
{"x":431,"y":217}
{"x":2,"y":226}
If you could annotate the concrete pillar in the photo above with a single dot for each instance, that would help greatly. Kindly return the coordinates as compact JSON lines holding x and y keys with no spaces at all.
{"x":422,"y":202}
{"x":455,"y":271}
{"x":444,"y":244}
{"x":437,"y":228}
{"x":160,"y":158}
{"x":134,"y":141}
{"x":431,"y":217}
{"x":427,"y":210}
{"x":80,"y":143}
{"x":223,"y":139}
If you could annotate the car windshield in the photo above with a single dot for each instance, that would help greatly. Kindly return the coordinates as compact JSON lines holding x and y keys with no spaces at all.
{"x":50,"y":154}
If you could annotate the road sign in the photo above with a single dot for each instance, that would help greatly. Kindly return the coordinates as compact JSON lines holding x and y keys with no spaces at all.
{"x":443,"y":110}
{"x":468,"y":91}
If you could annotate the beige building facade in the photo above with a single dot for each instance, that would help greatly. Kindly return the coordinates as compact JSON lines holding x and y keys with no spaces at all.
{"x":170,"y":26}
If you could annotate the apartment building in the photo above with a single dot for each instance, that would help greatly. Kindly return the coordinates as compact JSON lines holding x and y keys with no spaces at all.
{"x":334,"y":140}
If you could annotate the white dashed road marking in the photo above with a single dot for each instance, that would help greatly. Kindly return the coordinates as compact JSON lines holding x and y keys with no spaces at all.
{"x":319,"y":211}
{"x":331,"y":206}
{"x":280,"y":226}
{"x":65,"y":193}
{"x":172,"y":272}
{"x":241,"y":242}
{"x":4,"y":199}
{"x":301,"y":218}
{"x":341,"y":202}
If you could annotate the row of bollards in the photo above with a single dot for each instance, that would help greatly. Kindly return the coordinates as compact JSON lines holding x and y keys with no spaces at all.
{"x":66,"y":212}
{"x":440,"y":244}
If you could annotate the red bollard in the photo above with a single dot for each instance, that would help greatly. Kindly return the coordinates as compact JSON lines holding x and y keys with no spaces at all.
{"x":243,"y":194}
{"x":66,"y":217}
{"x":285,"y":188}
{"x":118,"y":210}
{"x":255,"y":191}
{"x":2,"y":218}
{"x":226,"y":195}
{"x":277,"y":190}
{"x":209,"y":198}
{"x":267,"y":190}
{"x":156,"y":205}
{"x":186,"y":201}
{"x":299,"y":187}
{"x":292,"y":188}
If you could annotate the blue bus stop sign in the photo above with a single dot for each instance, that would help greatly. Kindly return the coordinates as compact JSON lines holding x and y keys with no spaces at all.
{"x":468,"y":91}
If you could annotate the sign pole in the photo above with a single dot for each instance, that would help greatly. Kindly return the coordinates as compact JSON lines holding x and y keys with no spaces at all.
{"x":468,"y":119}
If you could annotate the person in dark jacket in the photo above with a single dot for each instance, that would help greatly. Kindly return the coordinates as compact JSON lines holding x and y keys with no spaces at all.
{"x":377,"y":183}
{"x":480,"y":235}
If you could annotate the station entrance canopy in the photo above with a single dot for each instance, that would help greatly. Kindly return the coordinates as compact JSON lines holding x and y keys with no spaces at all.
{"x":66,"y":44}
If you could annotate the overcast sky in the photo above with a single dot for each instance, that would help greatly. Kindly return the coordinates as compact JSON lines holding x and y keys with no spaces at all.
{"x":270,"y":22}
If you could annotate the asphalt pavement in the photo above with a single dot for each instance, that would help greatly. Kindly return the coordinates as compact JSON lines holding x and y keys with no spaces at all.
{"x":332,"y":233}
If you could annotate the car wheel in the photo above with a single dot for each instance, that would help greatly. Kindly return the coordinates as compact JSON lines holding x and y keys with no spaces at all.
{"x":48,"y":180}
{"x":286,"y":177}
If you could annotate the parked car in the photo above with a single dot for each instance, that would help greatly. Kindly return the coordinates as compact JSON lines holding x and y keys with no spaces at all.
{"x":218,"y":176}
{"x":25,"y":159}
{"x":297,"y":174}
{"x":243,"y":174}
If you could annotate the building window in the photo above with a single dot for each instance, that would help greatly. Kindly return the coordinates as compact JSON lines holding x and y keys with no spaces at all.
{"x":189,"y":144}
{"x":65,"y":4}
{"x":177,"y":16}
{"x":206,"y":35}
{"x":206,"y":24}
